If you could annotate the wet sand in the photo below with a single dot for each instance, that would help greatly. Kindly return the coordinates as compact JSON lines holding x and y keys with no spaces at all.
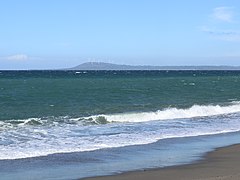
{"x":220,"y":164}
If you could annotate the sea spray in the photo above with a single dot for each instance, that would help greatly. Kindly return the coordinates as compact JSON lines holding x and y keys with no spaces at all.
{"x":171,"y":113}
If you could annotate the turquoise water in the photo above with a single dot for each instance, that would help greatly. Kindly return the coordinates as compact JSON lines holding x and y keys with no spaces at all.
{"x":48,"y":113}
{"x":28,"y":94}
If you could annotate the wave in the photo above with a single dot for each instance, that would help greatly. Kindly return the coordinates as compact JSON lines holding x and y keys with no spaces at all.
{"x":165,"y":114}
{"x":170,"y":113}
{"x":35,"y":137}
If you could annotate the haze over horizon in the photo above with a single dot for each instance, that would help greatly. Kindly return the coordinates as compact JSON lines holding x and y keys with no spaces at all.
{"x":63,"y":34}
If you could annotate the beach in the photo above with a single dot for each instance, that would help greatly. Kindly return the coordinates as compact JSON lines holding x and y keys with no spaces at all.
{"x":120,"y":90}
{"x":220,"y":164}
{"x":71,"y":125}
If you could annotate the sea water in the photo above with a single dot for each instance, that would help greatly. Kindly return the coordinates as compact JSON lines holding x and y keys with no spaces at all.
{"x":86,"y":120}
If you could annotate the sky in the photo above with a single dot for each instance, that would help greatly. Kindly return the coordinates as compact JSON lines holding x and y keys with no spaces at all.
{"x":52,"y":34}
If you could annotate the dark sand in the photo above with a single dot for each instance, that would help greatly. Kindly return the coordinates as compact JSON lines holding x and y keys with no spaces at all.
{"x":221,"y":164}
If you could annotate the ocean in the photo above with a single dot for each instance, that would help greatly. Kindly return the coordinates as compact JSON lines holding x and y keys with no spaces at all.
{"x":75,"y":124}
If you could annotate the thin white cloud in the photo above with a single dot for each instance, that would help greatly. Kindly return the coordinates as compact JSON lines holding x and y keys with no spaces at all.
{"x":224,"y":14}
{"x":228,"y":29}
{"x":17,"y":57}
{"x":226,"y":35}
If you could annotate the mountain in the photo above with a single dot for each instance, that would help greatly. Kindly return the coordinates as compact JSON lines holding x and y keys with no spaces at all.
{"x":102,"y":66}
{"x":110,"y":66}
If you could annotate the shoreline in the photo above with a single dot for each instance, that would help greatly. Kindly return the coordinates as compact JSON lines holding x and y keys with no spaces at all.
{"x":220,"y":164}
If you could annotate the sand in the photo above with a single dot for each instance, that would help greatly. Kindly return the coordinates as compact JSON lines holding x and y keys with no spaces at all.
{"x":220,"y":164}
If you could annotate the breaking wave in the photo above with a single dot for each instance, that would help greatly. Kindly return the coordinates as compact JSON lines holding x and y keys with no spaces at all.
{"x":165,"y":114}
{"x":35,"y":137}
{"x":170,"y":113}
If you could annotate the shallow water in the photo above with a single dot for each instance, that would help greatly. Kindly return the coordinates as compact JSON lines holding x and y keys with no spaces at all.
{"x":82,"y":122}
{"x":163,"y":153}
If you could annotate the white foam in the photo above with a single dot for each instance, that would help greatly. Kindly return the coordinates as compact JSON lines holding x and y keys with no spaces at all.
{"x":29,"y":138}
{"x":172,"y":113}
{"x":165,"y":114}
{"x":60,"y":143}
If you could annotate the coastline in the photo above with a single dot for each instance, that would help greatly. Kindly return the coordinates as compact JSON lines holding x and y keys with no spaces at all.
{"x":222,"y":163}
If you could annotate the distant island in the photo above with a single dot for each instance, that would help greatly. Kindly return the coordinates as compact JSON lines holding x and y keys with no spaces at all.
{"x":109,"y":66}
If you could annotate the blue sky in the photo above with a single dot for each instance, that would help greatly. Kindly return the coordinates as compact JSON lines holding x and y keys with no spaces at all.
{"x":46,"y":34}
